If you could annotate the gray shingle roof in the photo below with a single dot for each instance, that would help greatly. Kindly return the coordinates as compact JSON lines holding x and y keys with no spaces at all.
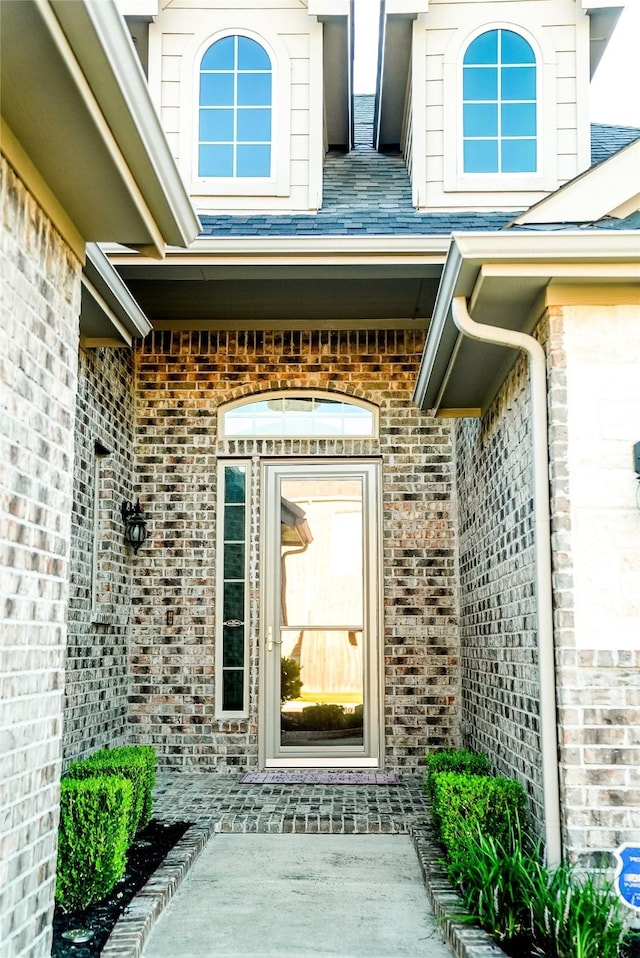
{"x":367,"y":193}
{"x":607,"y":140}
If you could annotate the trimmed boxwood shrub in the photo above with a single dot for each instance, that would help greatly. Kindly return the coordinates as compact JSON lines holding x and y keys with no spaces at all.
{"x":466,"y":805}
{"x":135,"y":762}
{"x":460,"y":760}
{"x":92,"y":838}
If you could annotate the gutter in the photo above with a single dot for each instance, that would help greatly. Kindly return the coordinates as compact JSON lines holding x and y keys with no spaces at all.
{"x":546,"y":658}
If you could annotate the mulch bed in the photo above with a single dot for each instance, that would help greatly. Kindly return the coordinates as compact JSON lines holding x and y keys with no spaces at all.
{"x":145,"y":855}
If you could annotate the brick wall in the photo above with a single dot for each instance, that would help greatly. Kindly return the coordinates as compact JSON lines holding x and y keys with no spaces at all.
{"x":500,"y":684}
{"x":181,"y":379}
{"x":40,"y":306}
{"x":96,"y":681}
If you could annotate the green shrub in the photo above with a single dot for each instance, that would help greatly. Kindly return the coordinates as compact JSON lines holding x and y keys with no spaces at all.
{"x":455,"y":760}
{"x":92,"y":838}
{"x":135,"y":762}
{"x":575,"y":915}
{"x":464,"y":804}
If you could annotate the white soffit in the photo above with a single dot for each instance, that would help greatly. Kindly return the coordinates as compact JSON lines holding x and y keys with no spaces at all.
{"x":603,"y":190}
{"x":76,"y":101}
{"x":505,"y":277}
{"x":603,"y":16}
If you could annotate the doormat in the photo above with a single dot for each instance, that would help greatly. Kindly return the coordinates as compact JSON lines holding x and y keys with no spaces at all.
{"x":290,"y":776}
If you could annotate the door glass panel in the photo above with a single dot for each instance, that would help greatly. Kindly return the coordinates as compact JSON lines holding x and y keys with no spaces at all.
{"x":321,"y":612}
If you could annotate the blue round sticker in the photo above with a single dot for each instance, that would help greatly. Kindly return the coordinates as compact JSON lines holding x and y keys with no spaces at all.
{"x":628,"y":874}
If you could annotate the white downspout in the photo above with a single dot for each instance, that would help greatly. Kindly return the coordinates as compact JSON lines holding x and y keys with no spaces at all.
{"x":546,"y":657}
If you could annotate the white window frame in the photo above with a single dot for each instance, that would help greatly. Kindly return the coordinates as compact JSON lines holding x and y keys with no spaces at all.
{"x":221,"y":713}
{"x":278,"y":183}
{"x":545,"y":176}
{"x":335,"y":397}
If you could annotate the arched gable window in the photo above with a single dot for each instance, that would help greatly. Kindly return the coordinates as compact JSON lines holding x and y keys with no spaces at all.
{"x":304,"y":415}
{"x":499,"y":106}
{"x":235,"y":110}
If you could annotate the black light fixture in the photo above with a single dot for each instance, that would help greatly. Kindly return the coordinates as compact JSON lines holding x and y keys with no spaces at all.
{"x":135,"y":524}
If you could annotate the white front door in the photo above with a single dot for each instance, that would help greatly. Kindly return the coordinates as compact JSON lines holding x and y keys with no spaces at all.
{"x":321,"y":621}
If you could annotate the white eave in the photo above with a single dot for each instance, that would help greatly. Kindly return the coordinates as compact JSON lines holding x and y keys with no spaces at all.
{"x":508,"y":279}
{"x":603,"y":16}
{"x":109,"y":315}
{"x":337,"y":19}
{"x":80,"y":127}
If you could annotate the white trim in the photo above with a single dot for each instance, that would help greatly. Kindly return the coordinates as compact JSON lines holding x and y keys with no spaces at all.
{"x":329,"y":395}
{"x":545,"y":177}
{"x":279,"y":182}
{"x":220,"y":713}
{"x":370,"y":753}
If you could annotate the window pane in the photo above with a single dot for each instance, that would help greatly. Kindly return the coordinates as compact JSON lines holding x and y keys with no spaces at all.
{"x":216,"y":125}
{"x":233,"y":601}
{"x":251,"y":56}
{"x":254,"y":161}
{"x":481,"y":119}
{"x":519,"y":156}
{"x":219,"y":56}
{"x":518,"y":119}
{"x":254,"y":125}
{"x":515,"y":48}
{"x":234,"y":484}
{"x":215,"y":161}
{"x":480,"y":83}
{"x":484,"y":49}
{"x":297,"y":415}
{"x":234,"y":560}
{"x":216,"y":89}
{"x":233,"y":645}
{"x":481,"y":156}
{"x":234,"y":524}
{"x":254,"y":89}
{"x":518,"y":83}
{"x":232,"y":690}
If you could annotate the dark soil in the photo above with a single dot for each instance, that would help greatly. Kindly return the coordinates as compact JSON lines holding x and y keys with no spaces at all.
{"x":521,"y":947}
{"x":145,"y":855}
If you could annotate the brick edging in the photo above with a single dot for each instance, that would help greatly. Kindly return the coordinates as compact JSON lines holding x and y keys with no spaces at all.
{"x":467,"y":940}
{"x":131,"y":931}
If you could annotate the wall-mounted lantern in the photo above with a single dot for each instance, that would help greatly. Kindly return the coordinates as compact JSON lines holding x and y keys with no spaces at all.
{"x":135,"y":524}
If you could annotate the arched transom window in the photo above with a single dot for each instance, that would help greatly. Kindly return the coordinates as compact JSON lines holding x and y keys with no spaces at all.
{"x":234,"y":138}
{"x":303,"y":415}
{"x":499,"y":104}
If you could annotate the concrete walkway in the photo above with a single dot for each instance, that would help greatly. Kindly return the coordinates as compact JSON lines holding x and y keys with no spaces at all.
{"x":295,"y":895}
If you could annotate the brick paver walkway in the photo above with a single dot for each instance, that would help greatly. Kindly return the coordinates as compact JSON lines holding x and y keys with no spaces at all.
{"x":308,"y":808}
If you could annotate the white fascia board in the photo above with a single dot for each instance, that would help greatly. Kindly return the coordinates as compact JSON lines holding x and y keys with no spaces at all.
{"x":285,"y":249}
{"x":103,"y":48}
{"x":588,"y":5}
{"x":406,"y":8}
{"x":554,"y":246}
{"x":329,"y":8}
{"x":112,"y":291}
{"x":593,"y":194}
{"x":138,"y":8}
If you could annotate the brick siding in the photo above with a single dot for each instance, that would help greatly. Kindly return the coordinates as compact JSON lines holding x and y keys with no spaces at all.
{"x":40,"y":307}
{"x":500,"y":682}
{"x":181,"y":380}
{"x":97,"y":681}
